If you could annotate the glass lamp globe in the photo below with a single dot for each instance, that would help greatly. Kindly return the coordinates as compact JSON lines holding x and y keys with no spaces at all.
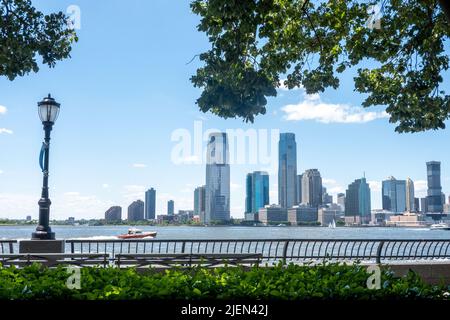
{"x":48,"y":109}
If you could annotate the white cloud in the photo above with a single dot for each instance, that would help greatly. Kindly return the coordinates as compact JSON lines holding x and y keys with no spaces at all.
{"x":71,"y":194}
{"x":375,"y":186}
{"x":17,"y":206}
{"x":105,"y":186}
{"x":333,"y":187}
{"x":133,"y":192}
{"x":1,"y":171}
{"x":139,"y":165}
{"x":313,"y":108}
{"x":420,"y":188}
{"x":189,"y":160}
{"x":4,"y":130}
{"x":235,"y":186}
{"x":3,"y":109}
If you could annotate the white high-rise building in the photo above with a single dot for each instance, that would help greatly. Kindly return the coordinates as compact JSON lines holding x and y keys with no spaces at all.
{"x":217,"y":187}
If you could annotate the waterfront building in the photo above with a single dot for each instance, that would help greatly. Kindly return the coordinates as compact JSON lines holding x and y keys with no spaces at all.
{"x":341,"y":200}
{"x":257,"y":191}
{"x":287,"y":170}
{"x":381,"y":217}
{"x":357,"y":202}
{"x":199,"y":202}
{"x":407,"y":220}
{"x":165,"y":219}
{"x":170,"y":207}
{"x":298,"y":185}
{"x":394,"y":195}
{"x":423,"y":205}
{"x":28,"y":218}
{"x":150,"y":204}
{"x":434,"y":192}
{"x":113,"y":214}
{"x":410,"y":200}
{"x":184,"y":216}
{"x":312,"y":188}
{"x":136,"y":211}
{"x":327,"y":215}
{"x":447,"y":208}
{"x":217,"y":190}
{"x":302,"y":215}
{"x":273,"y":214}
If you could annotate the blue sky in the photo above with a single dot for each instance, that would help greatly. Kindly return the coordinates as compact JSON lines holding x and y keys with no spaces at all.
{"x":126,"y":91}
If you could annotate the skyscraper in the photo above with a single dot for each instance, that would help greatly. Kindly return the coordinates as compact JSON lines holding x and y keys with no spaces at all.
{"x":136,"y":211}
{"x":257,"y":191}
{"x":357,"y":202}
{"x":423,"y":205}
{"x":410,"y":201}
{"x":341,"y":200}
{"x":170,"y":207}
{"x":287,"y":170}
{"x":298,"y":185}
{"x":150,"y":204}
{"x":326,"y":198}
{"x":434,"y":198}
{"x":394,"y":195}
{"x":312,"y":188}
{"x":217,"y":200}
{"x":113,"y":214}
{"x":199,"y":202}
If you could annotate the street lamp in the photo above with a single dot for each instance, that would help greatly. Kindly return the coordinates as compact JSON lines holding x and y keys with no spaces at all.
{"x":48,"y":112}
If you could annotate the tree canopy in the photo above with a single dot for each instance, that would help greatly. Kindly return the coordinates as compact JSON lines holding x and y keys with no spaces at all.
{"x":26,"y":33}
{"x":258,"y":44}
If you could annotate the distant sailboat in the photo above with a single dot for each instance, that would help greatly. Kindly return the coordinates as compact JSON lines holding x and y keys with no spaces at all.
{"x":332,"y":224}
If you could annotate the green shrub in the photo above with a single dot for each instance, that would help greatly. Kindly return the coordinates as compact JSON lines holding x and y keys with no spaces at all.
{"x":325,"y":281}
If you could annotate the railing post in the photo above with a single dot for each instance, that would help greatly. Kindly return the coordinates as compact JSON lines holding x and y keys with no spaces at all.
{"x":183,"y":246}
{"x":11,"y":247}
{"x":72,"y":247}
{"x":380,"y":247}
{"x":286,"y":244}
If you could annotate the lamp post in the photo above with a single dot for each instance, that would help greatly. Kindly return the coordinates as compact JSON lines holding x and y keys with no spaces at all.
{"x":48,"y":112}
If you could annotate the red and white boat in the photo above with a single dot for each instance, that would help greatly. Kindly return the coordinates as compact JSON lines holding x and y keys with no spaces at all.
{"x":136,"y":234}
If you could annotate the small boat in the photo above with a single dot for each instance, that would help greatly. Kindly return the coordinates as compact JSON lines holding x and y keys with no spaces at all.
{"x":440,"y":226}
{"x":134,"y":233}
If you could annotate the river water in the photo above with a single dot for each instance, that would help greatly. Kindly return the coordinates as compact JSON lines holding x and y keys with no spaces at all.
{"x":226,"y":232}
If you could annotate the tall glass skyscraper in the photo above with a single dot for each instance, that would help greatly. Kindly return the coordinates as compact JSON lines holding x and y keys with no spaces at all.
{"x":312,"y":188}
{"x":257,"y":191}
{"x":394,"y":195}
{"x":199,"y":202}
{"x":150,"y":204}
{"x":217,"y":192}
{"x":357,"y":201}
{"x":434,"y":198}
{"x":287,"y":170}
{"x":298,"y":185}
{"x":170,"y":207}
{"x":410,"y":200}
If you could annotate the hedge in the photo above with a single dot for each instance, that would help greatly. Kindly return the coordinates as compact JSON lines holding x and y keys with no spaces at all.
{"x":292,"y":282}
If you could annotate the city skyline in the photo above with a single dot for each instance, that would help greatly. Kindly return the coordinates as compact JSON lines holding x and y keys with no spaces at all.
{"x":111,"y":154}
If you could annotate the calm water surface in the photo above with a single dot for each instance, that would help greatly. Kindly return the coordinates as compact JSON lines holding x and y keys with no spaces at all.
{"x":186,"y":232}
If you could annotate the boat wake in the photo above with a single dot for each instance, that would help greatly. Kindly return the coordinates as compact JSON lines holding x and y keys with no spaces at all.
{"x":95,"y":238}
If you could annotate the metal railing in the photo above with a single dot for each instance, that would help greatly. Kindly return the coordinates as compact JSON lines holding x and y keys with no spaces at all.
{"x":274,"y":250}
{"x":8,"y":246}
{"x":271,"y":250}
